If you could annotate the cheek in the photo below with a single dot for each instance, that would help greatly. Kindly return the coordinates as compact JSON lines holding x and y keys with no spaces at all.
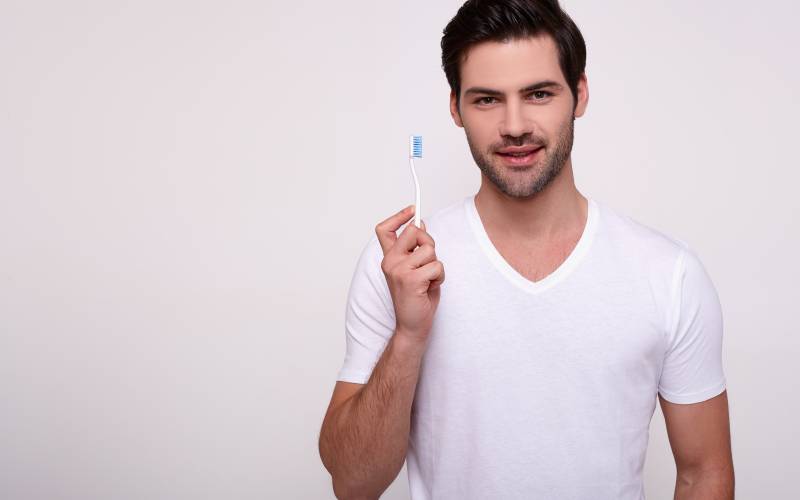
{"x":481,"y":127}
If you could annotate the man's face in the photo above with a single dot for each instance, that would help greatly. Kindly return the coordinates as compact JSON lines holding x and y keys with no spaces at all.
{"x":496,"y":115}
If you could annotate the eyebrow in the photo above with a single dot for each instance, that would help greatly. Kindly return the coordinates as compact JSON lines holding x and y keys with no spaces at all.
{"x":535,"y":86}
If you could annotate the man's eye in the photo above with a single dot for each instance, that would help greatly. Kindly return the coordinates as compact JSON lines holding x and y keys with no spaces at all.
{"x":543,"y":93}
{"x":546,"y":93}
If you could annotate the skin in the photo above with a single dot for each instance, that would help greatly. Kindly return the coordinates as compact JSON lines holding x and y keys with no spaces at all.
{"x":535,"y":216}
{"x":700,"y":438}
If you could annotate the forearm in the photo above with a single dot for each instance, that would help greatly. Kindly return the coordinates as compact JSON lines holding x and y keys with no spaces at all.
{"x":705,"y":485}
{"x":365,"y":442}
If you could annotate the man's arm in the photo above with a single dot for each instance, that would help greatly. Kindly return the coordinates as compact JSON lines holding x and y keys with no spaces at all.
{"x":364,"y":436}
{"x":699,"y":435}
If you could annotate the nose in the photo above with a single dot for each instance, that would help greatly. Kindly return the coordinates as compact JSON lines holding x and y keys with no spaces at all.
{"x":515,"y":123}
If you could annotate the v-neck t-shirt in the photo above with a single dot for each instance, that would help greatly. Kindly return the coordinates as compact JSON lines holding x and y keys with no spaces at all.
{"x":544,"y":389}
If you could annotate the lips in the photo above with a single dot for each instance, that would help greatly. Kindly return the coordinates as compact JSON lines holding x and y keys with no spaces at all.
{"x":519,"y":156}
{"x":518,"y":149}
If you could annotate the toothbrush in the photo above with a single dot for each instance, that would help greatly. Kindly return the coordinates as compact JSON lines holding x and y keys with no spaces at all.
{"x":415,"y":151}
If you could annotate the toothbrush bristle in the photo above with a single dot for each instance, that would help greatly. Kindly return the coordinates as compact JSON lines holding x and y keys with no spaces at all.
{"x":416,"y":146}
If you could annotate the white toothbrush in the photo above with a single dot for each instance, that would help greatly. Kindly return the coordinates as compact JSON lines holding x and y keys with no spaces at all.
{"x":415,"y":151}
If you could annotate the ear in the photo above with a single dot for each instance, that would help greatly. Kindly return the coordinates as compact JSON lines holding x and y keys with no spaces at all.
{"x":454,"y":110}
{"x":583,"y":95}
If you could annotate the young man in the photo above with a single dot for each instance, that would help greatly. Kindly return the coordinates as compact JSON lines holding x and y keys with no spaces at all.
{"x":532,"y":371}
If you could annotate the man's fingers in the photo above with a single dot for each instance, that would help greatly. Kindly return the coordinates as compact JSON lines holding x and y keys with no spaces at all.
{"x":386,"y":230}
{"x":412,"y":237}
{"x":433,"y":272}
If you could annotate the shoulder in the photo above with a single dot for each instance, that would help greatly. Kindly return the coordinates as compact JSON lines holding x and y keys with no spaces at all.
{"x":661,"y":266}
{"x":640,"y":242}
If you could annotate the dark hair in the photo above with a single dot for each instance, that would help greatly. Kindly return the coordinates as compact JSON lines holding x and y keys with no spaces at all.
{"x":500,"y":21}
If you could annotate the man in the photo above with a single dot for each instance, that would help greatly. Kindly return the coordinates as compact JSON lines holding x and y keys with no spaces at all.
{"x":533,"y":370}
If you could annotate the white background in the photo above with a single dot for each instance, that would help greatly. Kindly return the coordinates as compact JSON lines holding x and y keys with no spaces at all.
{"x":185,"y":187}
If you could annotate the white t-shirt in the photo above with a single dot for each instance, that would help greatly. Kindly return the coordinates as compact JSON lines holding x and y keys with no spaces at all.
{"x":546,"y":389}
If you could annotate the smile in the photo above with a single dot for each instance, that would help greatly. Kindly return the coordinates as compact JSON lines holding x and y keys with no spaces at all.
{"x":519,"y":159}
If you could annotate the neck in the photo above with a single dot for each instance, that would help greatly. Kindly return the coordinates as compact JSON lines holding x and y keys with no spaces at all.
{"x":556,"y":210}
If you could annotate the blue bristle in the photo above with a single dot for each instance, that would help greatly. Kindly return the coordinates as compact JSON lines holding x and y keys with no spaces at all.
{"x":417,"y":147}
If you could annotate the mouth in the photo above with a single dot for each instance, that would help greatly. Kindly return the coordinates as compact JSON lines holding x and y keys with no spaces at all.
{"x":519,"y":156}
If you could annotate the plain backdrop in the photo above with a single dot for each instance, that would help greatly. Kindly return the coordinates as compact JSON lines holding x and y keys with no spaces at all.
{"x":185,"y":187}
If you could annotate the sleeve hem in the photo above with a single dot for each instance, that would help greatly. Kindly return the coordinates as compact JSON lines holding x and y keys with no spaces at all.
{"x":354,"y":376}
{"x":694,"y":397}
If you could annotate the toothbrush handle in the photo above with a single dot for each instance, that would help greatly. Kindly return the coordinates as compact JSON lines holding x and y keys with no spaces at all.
{"x":417,"y":213}
{"x":416,"y":193}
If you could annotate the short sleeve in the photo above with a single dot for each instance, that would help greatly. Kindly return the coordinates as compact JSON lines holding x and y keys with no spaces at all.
{"x":692,"y":369}
{"x":369,"y":316}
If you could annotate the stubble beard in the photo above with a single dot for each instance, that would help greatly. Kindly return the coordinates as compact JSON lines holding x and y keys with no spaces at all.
{"x":530,"y":181}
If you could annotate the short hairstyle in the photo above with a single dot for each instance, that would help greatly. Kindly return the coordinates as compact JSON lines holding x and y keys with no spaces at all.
{"x":504,"y":20}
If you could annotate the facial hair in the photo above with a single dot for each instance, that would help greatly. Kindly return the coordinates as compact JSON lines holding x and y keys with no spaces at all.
{"x":525,"y":183}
